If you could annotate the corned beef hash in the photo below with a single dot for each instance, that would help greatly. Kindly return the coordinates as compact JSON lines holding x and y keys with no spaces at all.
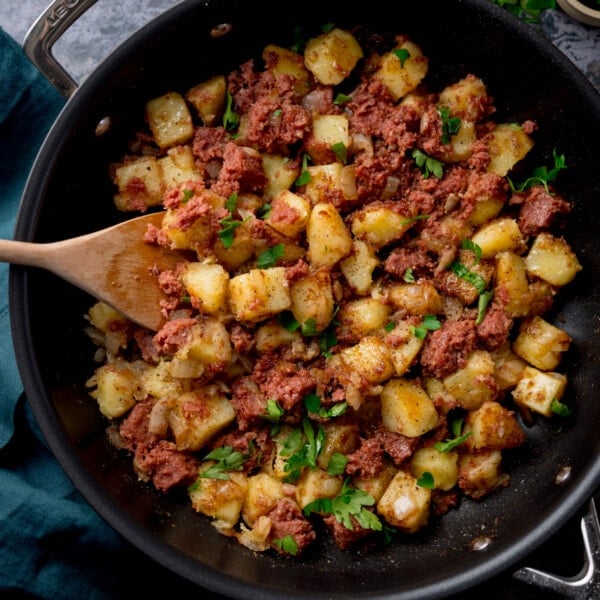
{"x":356,"y":332}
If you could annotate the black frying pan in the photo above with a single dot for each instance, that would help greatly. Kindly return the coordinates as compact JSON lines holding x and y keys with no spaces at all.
{"x":69,"y":193}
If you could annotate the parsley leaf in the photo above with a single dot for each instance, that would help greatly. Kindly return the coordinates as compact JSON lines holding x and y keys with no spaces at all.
{"x":341,"y":99}
{"x":301,"y":448}
{"x":541,"y":175}
{"x":426,"y":481}
{"x":457,"y":440}
{"x":474,"y":248}
{"x":351,"y":502}
{"x":473,"y":278}
{"x":288,"y":322}
{"x":313,"y":405}
{"x":337,"y":464}
{"x":228,"y":227}
{"x":408,"y":276}
{"x":309,"y":327}
{"x":304,"y":176}
{"x":270,"y":256}
{"x":231,"y":202}
{"x":450,"y":125}
{"x":187,"y":196}
{"x":230,"y":119}
{"x":427,"y":164}
{"x":340,"y":151}
{"x":482,"y":304}
{"x":413,"y":219}
{"x":403,"y":55}
{"x":430,"y":323}
{"x":286,"y":544}
{"x":264,"y":211}
{"x":227,"y":460}
{"x":274,"y":411}
{"x":560,"y":409}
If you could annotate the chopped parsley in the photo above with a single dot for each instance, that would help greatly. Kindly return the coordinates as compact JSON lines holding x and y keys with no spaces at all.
{"x":430,"y":323}
{"x":337,"y":464}
{"x":403,"y":55}
{"x":560,"y":409}
{"x":413,"y":219}
{"x":426,"y":481}
{"x":314,"y":406}
{"x":450,"y":125}
{"x":408,"y":276}
{"x":482,"y":304}
{"x":230,"y":118}
{"x":341,"y":99}
{"x":187,"y":196}
{"x":428,"y":165}
{"x":351,"y":502}
{"x":274,"y":412}
{"x":270,"y":256}
{"x":301,"y":448}
{"x":474,"y":248}
{"x":541,"y":175}
{"x":457,"y":440}
{"x":288,"y":321}
{"x":390,"y":326}
{"x":340,"y":151}
{"x":229,"y":224}
{"x":304,"y":176}
{"x":528,"y":10}
{"x":309,"y":327}
{"x":286,"y":544}
{"x":473,"y":278}
{"x":264,"y":211}
{"x":227,"y":460}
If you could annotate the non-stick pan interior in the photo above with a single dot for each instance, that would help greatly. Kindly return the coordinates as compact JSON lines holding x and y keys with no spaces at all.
{"x":69,"y":193}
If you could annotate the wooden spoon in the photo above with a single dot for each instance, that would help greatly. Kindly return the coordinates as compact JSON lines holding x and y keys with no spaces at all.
{"x":112,"y":265}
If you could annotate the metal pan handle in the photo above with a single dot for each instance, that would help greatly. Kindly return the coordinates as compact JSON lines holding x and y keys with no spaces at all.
{"x":44,"y":33}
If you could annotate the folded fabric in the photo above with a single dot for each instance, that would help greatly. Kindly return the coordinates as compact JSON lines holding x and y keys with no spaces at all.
{"x":52,"y":543}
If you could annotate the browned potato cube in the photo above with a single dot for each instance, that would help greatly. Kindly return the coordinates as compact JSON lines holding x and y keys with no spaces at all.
{"x":208,"y":98}
{"x":537,"y":390}
{"x":494,"y":427}
{"x":541,"y":344}
{"x":169,"y":120}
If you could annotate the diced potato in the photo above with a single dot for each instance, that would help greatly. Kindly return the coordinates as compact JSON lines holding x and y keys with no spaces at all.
{"x":402,"y":76}
{"x":281,"y":61}
{"x":312,"y":298}
{"x":511,"y":277}
{"x":492,"y":426}
{"x":208,"y":285}
{"x":479,"y":474}
{"x":273,"y":335}
{"x":465,"y":98}
{"x":169,"y":120}
{"x":221,"y":499}
{"x":416,"y":298}
{"x":379,"y":225}
{"x":508,"y":145}
{"x":158,"y":381}
{"x":339,"y":437}
{"x":327,"y":131}
{"x":140,"y":184}
{"x":332,"y":56}
{"x":208,"y":344}
{"x":289,"y":214}
{"x":474,"y":383}
{"x":461,"y":143}
{"x":280,"y":174}
{"x":316,"y":484}
{"x":360,"y":317}
{"x":371,"y":357}
{"x":116,"y":386}
{"x":552,"y":259}
{"x":508,"y":367}
{"x":208,"y":98}
{"x":442,"y":465}
{"x":541,"y":344}
{"x":406,"y":408}
{"x":111,"y":323}
{"x":442,"y":398}
{"x":241,"y":249}
{"x":461,"y":288}
{"x":178,"y":167}
{"x":451,"y":227}
{"x":485,"y":209}
{"x":377,"y":484}
{"x":327,"y":236}
{"x":198,"y":416}
{"x":537,"y":390}
{"x":497,"y":236}
{"x":359,"y":266}
{"x":405,"y":347}
{"x":404,"y":504}
{"x":324,"y":179}
{"x":262,"y":495}
{"x":259,"y":294}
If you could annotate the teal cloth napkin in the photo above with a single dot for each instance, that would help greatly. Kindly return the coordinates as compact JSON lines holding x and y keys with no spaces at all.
{"x":52,"y":543}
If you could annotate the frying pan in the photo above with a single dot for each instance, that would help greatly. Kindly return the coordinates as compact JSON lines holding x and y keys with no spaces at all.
{"x":69,"y":193}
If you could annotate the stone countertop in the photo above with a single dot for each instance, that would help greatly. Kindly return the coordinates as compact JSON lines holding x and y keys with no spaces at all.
{"x":109,"y":22}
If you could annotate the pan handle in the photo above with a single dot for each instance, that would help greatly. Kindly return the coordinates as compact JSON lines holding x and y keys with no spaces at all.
{"x":44,"y":33}
{"x":586,"y":584}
